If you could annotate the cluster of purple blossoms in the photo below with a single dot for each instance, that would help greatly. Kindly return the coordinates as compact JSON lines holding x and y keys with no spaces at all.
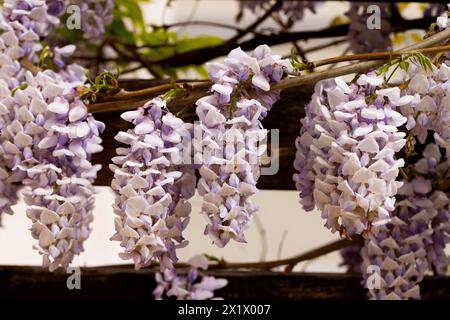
{"x":412,"y":242}
{"x":152,"y":182}
{"x":346,"y":153}
{"x":190,"y":286}
{"x":443,"y":21}
{"x":47,"y":143}
{"x":434,"y":9}
{"x":363,"y":39}
{"x":47,"y":136}
{"x":21,"y":26}
{"x":228,"y":142}
{"x":95,"y":15}
{"x":429,"y":111}
{"x":435,"y":169}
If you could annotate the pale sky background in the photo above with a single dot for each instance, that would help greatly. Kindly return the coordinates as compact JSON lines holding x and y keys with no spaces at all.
{"x":280,"y":212}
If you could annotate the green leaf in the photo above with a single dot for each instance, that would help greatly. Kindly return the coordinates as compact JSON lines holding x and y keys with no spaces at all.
{"x":404,"y":65}
{"x":132,"y":10}
{"x":202,"y":71}
{"x":199,"y":42}
{"x":118,"y":30}
{"x":158,"y":37}
{"x":370,"y":99}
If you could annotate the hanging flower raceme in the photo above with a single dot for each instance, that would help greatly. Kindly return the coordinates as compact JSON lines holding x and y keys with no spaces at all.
{"x":94,"y":15}
{"x":48,"y":137}
{"x":346,"y":153}
{"x":153,"y":182}
{"x":429,"y":111}
{"x":8,"y":191}
{"x":230,"y":131}
{"x":434,"y":167}
{"x":190,"y":286}
{"x":48,"y":144}
{"x":401,"y":248}
{"x":22,"y":24}
{"x":365,"y":39}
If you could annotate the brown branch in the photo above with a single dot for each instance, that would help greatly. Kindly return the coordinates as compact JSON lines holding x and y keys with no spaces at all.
{"x":201,"y":23}
{"x":375,"y":56}
{"x":129,"y":100}
{"x":26,"y":64}
{"x":357,"y":67}
{"x":156,"y":90}
{"x":200,"y":56}
{"x":267,"y":265}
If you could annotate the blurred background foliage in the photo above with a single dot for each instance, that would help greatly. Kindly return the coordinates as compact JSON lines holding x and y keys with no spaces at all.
{"x":130,"y":44}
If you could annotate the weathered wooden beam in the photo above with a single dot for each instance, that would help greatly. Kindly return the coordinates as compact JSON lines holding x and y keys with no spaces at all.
{"x":122,"y":282}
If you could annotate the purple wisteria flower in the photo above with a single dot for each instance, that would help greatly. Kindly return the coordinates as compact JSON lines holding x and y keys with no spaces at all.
{"x":152,"y":184}
{"x":190,"y":286}
{"x":22,"y":23}
{"x":95,"y":16}
{"x":429,"y":111}
{"x":435,"y":167}
{"x":47,"y":136}
{"x":346,"y":153}
{"x":361,"y":38}
{"x":230,"y":129}
{"x":47,"y":144}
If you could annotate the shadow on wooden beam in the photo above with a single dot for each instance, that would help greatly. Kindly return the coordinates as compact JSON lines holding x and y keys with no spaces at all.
{"x":124,"y":283}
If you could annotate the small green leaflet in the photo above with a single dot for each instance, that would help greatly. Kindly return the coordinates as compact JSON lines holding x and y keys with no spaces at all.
{"x":403,"y":62}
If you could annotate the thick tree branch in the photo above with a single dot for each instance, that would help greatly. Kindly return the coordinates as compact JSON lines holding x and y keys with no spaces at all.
{"x":201,"y":23}
{"x":357,"y":67}
{"x":373,"y":56}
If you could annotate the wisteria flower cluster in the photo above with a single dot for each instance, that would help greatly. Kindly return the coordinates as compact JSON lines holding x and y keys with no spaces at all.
{"x":95,"y":15}
{"x":429,"y":112}
{"x":364,"y":39}
{"x":190,"y":286}
{"x":346,"y":153}
{"x":407,"y":229}
{"x":230,"y":131}
{"x":415,"y":238}
{"x":48,"y":147}
{"x":47,"y":136}
{"x":152,"y":190}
